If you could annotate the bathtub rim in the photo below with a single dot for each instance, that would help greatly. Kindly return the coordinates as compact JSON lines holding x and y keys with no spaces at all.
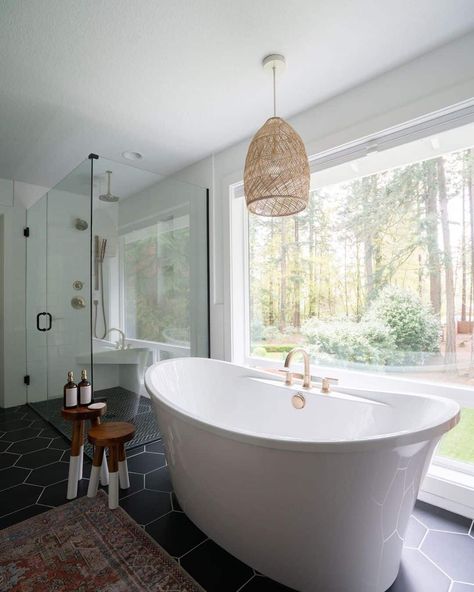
{"x":427,"y":433}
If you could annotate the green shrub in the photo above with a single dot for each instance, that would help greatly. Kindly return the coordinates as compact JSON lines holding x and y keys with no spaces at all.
{"x":270,"y":333}
{"x":279,"y":348}
{"x":259,"y":351}
{"x":413,"y":325}
{"x":367,"y":342}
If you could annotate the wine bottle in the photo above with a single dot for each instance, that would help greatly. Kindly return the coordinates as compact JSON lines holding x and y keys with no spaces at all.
{"x":70,"y":392}
{"x":85,"y":390}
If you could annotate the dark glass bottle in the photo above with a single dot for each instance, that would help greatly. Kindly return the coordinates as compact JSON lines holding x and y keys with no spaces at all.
{"x":70,"y":392}
{"x":85,"y":390}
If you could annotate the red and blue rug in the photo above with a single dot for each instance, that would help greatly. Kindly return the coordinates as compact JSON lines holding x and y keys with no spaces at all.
{"x":83,"y":546}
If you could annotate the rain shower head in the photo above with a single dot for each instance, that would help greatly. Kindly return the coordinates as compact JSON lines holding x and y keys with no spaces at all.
{"x":108,"y":197}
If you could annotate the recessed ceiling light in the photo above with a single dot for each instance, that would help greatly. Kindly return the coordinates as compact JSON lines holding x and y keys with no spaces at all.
{"x":131,"y":155}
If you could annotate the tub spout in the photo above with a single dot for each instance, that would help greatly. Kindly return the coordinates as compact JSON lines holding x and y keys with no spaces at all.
{"x":307,"y":371}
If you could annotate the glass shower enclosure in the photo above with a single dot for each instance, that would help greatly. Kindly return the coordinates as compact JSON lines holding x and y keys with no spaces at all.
{"x":117,"y":279}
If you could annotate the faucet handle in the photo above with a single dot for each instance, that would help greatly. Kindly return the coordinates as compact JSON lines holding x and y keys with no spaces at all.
{"x":326,"y":382}
{"x":288,"y":375}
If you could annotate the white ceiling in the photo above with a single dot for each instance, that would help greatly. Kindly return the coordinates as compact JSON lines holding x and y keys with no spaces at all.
{"x":177,"y":80}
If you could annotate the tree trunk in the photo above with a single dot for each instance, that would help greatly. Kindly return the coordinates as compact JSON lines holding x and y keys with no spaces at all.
{"x":297,"y":278}
{"x":431,"y":225}
{"x":283,"y":253}
{"x":463,"y":252}
{"x":450,"y":347}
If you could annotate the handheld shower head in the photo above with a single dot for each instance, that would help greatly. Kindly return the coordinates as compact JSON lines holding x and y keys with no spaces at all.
{"x":108,"y":197}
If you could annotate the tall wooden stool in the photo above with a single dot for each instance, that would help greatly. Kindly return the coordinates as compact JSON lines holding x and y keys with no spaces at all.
{"x":111,"y":435}
{"x":79,"y":416}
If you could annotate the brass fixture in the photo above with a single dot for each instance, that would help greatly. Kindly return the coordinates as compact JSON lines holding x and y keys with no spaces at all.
{"x":77,"y":284}
{"x":298,"y":401}
{"x":78,"y":302}
{"x":326,"y":384}
{"x":276,"y":175}
{"x":121,"y":343}
{"x":307,"y":370}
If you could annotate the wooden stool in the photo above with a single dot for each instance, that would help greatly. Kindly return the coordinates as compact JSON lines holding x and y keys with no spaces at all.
{"x":111,"y":435}
{"x":79,"y":416}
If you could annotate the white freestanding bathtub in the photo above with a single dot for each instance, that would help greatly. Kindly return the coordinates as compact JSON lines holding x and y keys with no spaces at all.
{"x":317,"y":498}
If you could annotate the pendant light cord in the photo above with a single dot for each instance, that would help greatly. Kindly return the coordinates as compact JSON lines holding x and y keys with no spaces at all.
{"x":274,"y":92}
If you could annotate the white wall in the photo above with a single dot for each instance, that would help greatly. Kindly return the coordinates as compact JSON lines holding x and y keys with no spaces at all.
{"x":12,"y":299}
{"x":429,"y":83}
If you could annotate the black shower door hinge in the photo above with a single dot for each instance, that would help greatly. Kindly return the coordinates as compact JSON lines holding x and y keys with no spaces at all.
{"x":26,"y":231}
{"x":26,"y":379}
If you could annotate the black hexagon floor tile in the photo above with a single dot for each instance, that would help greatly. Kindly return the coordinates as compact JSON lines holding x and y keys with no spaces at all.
{"x":60,"y":443}
{"x":22,"y":514}
{"x":29,"y":445}
{"x":156,"y":447}
{"x":49,"y":474}
{"x":439,"y":519}
{"x":263,"y":584}
{"x":4,"y":445}
{"x":12,"y":476}
{"x":175,"y":502}
{"x":453,"y":553}
{"x":215,"y":569}
{"x":137,"y":483}
{"x":146,"y":506}
{"x":18,"y":497}
{"x":419,"y":574}
{"x":11,"y":424}
{"x":55,"y":495}
{"x":21,"y":434}
{"x":39,"y":458}
{"x":176,"y":533}
{"x":415,"y":532}
{"x":159,"y":480}
{"x":7,"y":459}
{"x":145,"y":462}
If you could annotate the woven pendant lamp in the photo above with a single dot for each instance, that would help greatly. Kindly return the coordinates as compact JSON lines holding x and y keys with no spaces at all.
{"x":276,"y":175}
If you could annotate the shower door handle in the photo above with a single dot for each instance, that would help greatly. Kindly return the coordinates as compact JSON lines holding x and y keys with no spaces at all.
{"x":50,"y":321}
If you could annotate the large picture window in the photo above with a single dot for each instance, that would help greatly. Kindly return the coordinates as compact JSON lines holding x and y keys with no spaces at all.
{"x":377,"y":273}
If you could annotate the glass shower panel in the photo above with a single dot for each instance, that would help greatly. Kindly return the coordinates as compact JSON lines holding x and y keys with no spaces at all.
{"x":150,"y":276}
{"x":58,"y":287}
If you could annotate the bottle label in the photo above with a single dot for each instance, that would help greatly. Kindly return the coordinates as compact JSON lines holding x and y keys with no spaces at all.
{"x":71,"y":397}
{"x":85,"y":395}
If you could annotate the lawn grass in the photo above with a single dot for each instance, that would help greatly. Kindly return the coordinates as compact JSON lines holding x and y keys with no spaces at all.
{"x":458,"y":444}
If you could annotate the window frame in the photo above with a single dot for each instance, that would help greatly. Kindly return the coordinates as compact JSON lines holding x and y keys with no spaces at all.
{"x":445,"y":484}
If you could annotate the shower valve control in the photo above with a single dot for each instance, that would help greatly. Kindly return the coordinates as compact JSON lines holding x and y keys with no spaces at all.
{"x":77,"y":285}
{"x":78,"y":302}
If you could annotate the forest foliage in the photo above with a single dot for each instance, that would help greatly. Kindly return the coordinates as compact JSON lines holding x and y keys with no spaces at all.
{"x":373,"y":268}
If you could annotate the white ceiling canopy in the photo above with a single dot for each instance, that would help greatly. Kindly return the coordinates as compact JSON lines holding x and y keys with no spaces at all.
{"x":179,"y":80}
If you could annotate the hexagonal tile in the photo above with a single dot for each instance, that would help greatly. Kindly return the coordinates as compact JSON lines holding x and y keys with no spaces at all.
{"x":146,"y":506}
{"x":159,"y":480}
{"x":145,"y":462}
{"x":10,"y":424}
{"x":175,"y":503}
{"x":18,"y":497}
{"x":176,"y":533}
{"x":57,"y":471}
{"x":29,"y":445}
{"x":7,"y":459}
{"x":215,"y":569}
{"x":453,"y":553}
{"x":156,"y":447}
{"x":414,"y":533}
{"x":262,"y":584}
{"x":55,"y":495}
{"x":12,"y":476}
{"x":60,"y":443}
{"x":439,"y":519}
{"x":21,"y":515}
{"x":39,"y":458}
{"x":23,"y":434}
{"x":4,"y":445}
{"x":418,"y":574}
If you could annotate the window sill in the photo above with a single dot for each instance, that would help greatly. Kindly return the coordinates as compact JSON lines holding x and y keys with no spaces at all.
{"x":449,"y":489}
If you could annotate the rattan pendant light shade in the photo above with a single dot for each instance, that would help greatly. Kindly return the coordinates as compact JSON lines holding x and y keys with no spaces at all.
{"x":276,"y":175}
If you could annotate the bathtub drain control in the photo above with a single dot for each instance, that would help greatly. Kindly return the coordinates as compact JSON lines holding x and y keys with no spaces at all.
{"x":298,"y":401}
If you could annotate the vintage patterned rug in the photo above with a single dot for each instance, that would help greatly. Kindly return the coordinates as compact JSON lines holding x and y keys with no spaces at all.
{"x":85,"y":547}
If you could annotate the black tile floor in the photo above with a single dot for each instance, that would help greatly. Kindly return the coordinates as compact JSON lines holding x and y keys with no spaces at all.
{"x":439,"y":547}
